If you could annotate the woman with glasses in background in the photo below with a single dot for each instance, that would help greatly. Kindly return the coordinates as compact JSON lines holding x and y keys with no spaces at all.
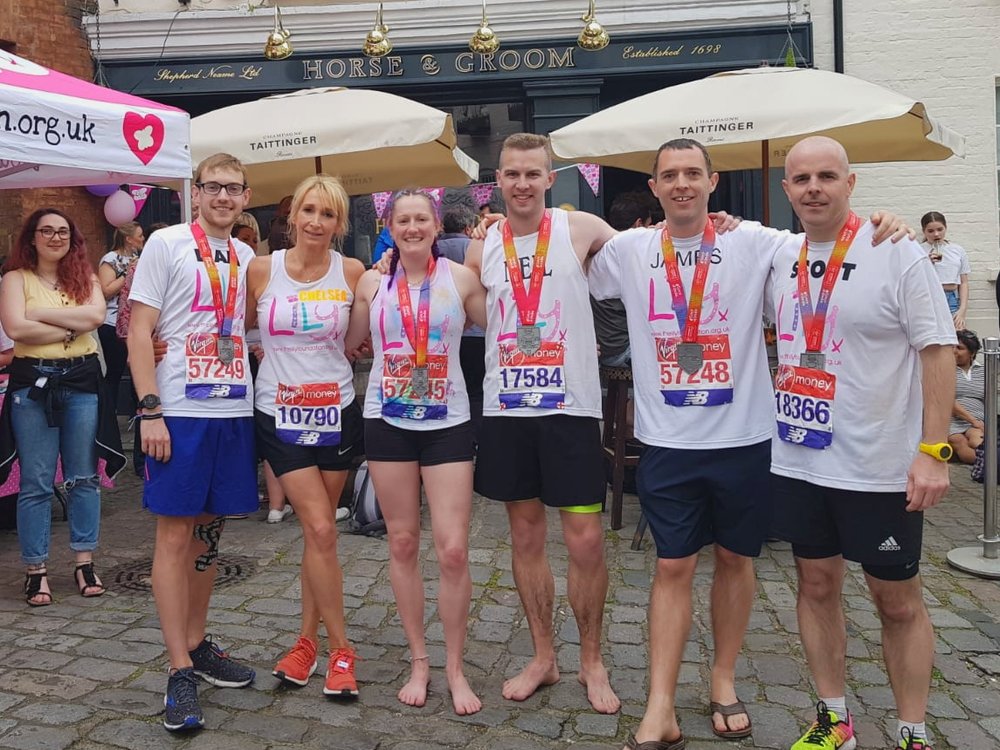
{"x":111,"y":272}
{"x":50,"y":305}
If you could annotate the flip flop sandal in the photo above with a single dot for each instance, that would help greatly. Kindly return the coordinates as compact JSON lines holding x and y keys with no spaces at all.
{"x":732,"y":709}
{"x":632,"y":744}
{"x":33,"y":588}
{"x":86,"y":579}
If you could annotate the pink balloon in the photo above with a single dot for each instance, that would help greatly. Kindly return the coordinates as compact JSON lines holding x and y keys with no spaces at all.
{"x":119,"y":208}
{"x":102,"y":191}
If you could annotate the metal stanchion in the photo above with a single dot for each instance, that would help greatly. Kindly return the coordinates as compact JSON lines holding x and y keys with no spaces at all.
{"x":984,"y":561}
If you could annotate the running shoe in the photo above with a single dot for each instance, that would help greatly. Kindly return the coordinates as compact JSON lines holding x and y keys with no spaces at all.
{"x":276,"y":515}
{"x":828,"y":732}
{"x":214,"y":666}
{"x":340,"y":674}
{"x":908,"y":742}
{"x":299,"y":664}
{"x":181,"y":701}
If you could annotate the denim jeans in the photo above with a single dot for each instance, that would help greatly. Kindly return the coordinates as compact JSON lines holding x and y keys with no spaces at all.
{"x":38,"y":448}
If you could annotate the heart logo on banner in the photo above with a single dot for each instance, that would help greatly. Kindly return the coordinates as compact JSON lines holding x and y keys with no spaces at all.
{"x":143,"y":134}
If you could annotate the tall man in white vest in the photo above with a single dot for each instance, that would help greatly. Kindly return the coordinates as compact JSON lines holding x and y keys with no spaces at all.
{"x":865,"y":343}
{"x":540,"y":440}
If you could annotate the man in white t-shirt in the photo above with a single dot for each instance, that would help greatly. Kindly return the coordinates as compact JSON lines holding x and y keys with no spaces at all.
{"x":703,"y":400}
{"x":196,"y":411}
{"x":865,"y":344}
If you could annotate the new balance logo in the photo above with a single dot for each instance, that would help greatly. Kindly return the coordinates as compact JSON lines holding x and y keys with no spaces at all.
{"x":308,"y":438}
{"x":696,"y":398}
{"x":797,"y":435}
{"x":889,"y":545}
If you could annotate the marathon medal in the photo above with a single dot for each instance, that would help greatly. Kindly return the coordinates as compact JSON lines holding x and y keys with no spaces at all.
{"x":690,"y":356}
{"x":420,"y":382}
{"x":226,"y":349}
{"x":813,"y":360}
{"x":529,"y":339}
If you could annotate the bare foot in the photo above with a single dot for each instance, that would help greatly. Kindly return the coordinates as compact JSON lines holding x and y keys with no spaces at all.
{"x":462,"y":698}
{"x":599,"y":691}
{"x":414,"y":692}
{"x":532,"y":677}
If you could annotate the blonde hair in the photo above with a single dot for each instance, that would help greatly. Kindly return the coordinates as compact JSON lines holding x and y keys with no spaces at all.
{"x":332,"y":194}
{"x":528,"y":142}
{"x":220,"y":161}
{"x":247,"y":219}
{"x":122,"y":233}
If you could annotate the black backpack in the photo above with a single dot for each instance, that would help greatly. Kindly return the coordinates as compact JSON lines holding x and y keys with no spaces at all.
{"x":366,"y":515}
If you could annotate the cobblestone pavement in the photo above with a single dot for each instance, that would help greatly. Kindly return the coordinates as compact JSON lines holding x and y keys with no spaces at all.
{"x":89,"y":673}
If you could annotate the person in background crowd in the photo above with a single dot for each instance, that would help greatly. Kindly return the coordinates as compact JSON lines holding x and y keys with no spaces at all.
{"x":247,"y":230}
{"x":308,"y":422}
{"x":628,"y":211}
{"x":884,"y":367}
{"x":112,"y":271}
{"x":951,"y":263}
{"x":457,"y":224}
{"x":50,"y":305}
{"x":196,"y":421}
{"x":484,"y":210}
{"x":277,"y":233}
{"x":383,"y":243}
{"x":966,"y":431}
{"x":417,"y":429}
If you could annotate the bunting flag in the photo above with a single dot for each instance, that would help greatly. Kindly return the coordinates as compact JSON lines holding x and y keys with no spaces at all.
{"x":140,"y":194}
{"x":481,"y":193}
{"x":381,"y":201}
{"x":592,"y":174}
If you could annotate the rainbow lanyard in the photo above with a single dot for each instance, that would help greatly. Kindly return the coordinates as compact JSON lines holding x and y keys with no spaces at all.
{"x":814,"y":323}
{"x":224,"y":314}
{"x":527,"y":302}
{"x":688,"y":313}
{"x":418,"y":332}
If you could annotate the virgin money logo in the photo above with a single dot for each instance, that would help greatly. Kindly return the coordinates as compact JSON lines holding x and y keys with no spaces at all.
{"x":784,"y":378}
{"x":291,"y":395}
{"x":201,"y":344}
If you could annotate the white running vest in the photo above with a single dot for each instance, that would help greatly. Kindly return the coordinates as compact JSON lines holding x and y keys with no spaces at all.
{"x":389,"y":396}
{"x":302,"y":328}
{"x":563,"y":377}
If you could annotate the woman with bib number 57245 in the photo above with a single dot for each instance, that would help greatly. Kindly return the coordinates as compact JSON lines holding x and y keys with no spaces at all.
{"x":417,"y":427}
{"x":307,"y":420}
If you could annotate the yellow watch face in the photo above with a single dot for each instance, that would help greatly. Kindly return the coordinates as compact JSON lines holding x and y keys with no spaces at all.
{"x":940,"y":451}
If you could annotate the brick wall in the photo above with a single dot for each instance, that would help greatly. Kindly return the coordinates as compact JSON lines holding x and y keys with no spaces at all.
{"x":49,"y":34}
{"x":947,"y":56}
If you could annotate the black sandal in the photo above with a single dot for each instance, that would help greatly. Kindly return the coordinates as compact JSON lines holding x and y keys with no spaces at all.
{"x":87,"y":579}
{"x":33,"y":587}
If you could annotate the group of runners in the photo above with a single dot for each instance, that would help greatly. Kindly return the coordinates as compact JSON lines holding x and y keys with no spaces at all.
{"x":864,"y":345}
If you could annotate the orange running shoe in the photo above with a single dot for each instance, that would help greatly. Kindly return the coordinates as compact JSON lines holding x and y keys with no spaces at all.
{"x":340,"y":674}
{"x":299,"y":664}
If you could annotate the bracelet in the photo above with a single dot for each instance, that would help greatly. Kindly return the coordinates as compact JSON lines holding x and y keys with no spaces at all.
{"x":147,"y":417}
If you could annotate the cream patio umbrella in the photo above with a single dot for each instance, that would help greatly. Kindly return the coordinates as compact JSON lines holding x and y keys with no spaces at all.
{"x":373,"y":141}
{"x":749,"y":119}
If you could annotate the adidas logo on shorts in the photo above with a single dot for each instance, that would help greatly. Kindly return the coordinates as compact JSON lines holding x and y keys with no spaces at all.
{"x":889,"y":545}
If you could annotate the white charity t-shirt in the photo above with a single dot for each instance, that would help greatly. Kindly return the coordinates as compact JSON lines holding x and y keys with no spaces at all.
{"x":954,"y":261}
{"x":885,"y":307}
{"x":171,"y":277}
{"x":630,"y":266}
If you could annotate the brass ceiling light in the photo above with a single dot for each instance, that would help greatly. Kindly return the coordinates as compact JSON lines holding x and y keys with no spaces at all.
{"x":377,"y":42}
{"x":277,"y":46}
{"x":484,"y":41}
{"x":593,"y":37}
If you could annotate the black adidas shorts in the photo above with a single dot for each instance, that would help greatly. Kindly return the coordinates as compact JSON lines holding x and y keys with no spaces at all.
{"x":872,"y":528}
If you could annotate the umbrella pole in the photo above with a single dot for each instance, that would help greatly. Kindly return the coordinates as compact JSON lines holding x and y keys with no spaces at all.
{"x":765,"y":186}
{"x":186,"y":210}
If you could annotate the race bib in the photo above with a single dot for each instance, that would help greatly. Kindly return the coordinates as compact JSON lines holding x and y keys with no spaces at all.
{"x":533,"y":381}
{"x":308,"y":414}
{"x":803,"y":400}
{"x":207,"y":375}
{"x":709,"y":385}
{"x":398,"y":397}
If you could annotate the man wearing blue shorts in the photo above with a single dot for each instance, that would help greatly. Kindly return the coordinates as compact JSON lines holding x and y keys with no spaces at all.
{"x":196,"y":424}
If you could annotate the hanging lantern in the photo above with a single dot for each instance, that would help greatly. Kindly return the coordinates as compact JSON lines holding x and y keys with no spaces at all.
{"x":277,"y":46}
{"x":484,"y":41}
{"x":593,"y":37}
{"x":377,"y":42}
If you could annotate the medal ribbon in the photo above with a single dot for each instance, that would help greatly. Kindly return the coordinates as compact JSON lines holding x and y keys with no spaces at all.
{"x":224,"y":314}
{"x":815,"y":322}
{"x":688,"y":313}
{"x":418,"y":332}
{"x":527,"y":302}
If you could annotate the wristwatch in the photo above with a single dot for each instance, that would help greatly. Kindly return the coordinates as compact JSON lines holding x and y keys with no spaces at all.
{"x":940,"y":451}
{"x":150,"y":401}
